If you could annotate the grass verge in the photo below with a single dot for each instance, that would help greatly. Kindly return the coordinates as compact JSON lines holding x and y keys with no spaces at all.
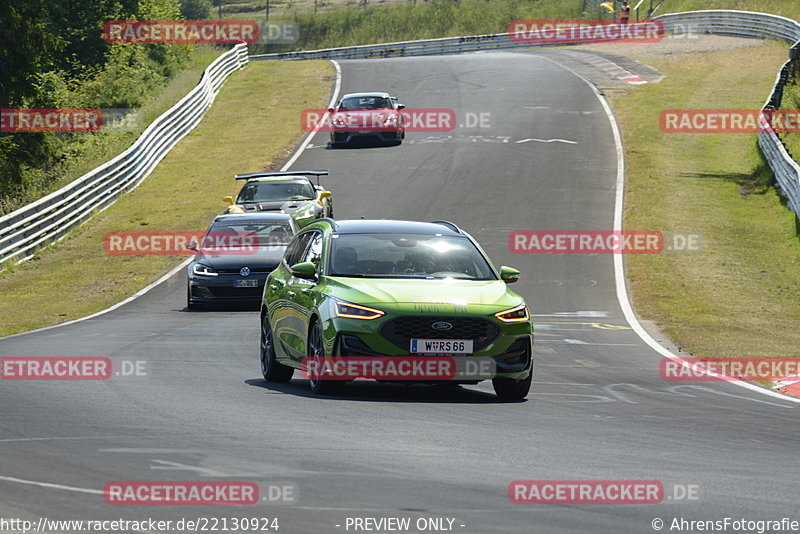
{"x":738,"y":297}
{"x":251,"y":126}
{"x":425,"y":20}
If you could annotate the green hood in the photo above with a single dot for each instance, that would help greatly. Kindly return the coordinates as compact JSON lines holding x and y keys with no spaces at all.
{"x":426,"y":296}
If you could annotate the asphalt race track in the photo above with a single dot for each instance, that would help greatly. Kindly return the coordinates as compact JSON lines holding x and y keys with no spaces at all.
{"x":597,"y":410}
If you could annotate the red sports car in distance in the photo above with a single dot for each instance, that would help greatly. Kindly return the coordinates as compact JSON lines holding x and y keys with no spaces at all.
{"x":367,"y":115}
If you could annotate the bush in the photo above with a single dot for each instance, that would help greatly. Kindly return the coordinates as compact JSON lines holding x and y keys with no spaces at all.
{"x":196,"y":9}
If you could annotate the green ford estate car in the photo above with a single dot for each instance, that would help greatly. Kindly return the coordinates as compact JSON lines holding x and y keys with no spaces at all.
{"x":383,"y":292}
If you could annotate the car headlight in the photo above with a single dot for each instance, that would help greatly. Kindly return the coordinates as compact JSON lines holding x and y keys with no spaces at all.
{"x":339,"y":120}
{"x":203,"y":270}
{"x":354,"y":311}
{"x":514,"y":315}
{"x":391,"y":120}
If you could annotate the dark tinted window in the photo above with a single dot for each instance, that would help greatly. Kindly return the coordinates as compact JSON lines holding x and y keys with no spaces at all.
{"x":366,"y":102}
{"x":276,"y":192}
{"x":268,"y":233}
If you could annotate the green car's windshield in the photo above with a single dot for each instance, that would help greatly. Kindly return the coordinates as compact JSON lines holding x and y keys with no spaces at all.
{"x":266,"y":234}
{"x":407,"y":256}
{"x":276,"y":192}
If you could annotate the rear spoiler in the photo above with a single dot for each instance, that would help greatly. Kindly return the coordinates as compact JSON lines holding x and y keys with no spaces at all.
{"x":281,"y":173}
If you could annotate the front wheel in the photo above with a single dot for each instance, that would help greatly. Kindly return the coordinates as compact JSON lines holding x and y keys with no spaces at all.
{"x":315,"y":356}
{"x":509,"y":389}
{"x":271,"y":368}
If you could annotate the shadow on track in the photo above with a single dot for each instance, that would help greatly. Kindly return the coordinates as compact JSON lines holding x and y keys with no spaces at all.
{"x":363,"y":143}
{"x":220,"y":306}
{"x":370,"y":391}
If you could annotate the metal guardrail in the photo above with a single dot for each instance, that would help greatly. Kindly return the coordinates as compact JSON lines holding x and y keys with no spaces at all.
{"x":52,"y":217}
{"x":751,"y":24}
{"x":722,"y":22}
{"x":428,"y":47}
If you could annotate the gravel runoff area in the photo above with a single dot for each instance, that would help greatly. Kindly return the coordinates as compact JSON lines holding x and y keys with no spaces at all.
{"x":672,"y":45}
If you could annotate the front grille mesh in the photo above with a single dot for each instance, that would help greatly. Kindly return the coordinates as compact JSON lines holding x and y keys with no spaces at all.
{"x":402,"y":329}
{"x":253,"y":270}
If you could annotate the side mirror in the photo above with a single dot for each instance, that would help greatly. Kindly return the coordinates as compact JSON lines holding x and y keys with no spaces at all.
{"x":191,"y":245}
{"x":324,"y":194}
{"x":401,"y":106}
{"x":228,"y":199}
{"x":509,"y":275}
{"x":306,"y":270}
{"x":331,"y":110}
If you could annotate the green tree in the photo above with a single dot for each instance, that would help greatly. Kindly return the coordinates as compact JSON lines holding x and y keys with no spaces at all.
{"x":196,"y":9}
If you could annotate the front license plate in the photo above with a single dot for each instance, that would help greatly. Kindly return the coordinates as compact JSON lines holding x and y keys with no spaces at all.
{"x":245,"y":283}
{"x":441,"y":346}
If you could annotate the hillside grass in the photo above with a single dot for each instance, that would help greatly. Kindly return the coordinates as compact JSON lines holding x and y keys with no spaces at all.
{"x":739,"y":296}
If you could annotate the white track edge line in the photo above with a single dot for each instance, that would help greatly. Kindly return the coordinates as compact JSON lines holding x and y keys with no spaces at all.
{"x":50,"y":486}
{"x":186,"y":262}
{"x":619,"y":267}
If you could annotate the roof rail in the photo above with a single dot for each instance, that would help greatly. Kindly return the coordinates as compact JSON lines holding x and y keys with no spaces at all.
{"x":333,"y":223}
{"x":281,"y":173}
{"x":450,"y":225}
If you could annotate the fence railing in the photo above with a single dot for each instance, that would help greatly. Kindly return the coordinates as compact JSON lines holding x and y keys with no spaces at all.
{"x":52,"y":217}
{"x":734,"y":23}
{"x":428,"y":47}
{"x":750,"y":24}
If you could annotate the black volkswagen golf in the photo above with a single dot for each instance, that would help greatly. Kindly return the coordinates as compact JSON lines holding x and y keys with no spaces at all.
{"x":235,"y":256}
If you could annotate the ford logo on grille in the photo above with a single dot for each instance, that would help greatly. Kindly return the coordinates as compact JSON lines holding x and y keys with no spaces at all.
{"x":442,"y":325}
{"x":245,"y":271}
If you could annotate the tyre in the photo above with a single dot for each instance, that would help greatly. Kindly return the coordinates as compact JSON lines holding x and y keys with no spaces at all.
{"x":271,"y":369}
{"x":512,"y":390}
{"x":316,"y":351}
